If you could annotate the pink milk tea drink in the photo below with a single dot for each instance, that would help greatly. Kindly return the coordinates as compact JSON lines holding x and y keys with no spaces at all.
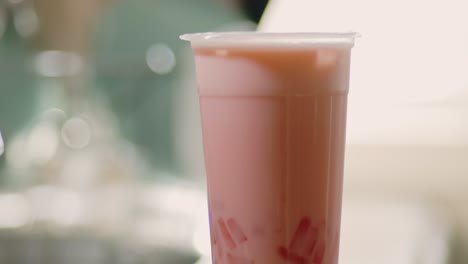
{"x":274,"y":115}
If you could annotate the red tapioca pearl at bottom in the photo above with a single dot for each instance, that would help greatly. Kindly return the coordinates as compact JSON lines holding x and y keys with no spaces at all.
{"x":300,"y":236}
{"x":225,"y":233}
{"x":290,"y":257}
{"x":282,"y":252}
{"x":236,"y":230}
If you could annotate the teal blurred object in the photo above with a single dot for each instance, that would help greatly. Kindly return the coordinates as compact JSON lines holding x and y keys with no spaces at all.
{"x":18,"y":93}
{"x":143,"y":98}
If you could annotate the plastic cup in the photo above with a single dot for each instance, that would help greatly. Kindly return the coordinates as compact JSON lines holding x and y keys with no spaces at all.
{"x":273,"y":109}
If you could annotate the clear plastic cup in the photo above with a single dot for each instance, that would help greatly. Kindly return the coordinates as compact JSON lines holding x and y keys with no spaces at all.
{"x":273,"y":109}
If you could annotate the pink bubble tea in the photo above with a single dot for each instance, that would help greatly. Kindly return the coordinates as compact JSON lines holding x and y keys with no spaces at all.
{"x":273,"y":111}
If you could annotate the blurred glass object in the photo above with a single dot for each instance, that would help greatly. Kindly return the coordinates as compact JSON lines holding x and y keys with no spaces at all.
{"x":55,"y":152}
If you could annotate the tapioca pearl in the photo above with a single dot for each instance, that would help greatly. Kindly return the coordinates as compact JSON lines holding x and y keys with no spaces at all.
{"x":236,"y":230}
{"x":299,"y":238}
{"x":226,"y":234}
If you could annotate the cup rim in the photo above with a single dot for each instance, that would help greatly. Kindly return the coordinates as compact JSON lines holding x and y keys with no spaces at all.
{"x":270,"y":39}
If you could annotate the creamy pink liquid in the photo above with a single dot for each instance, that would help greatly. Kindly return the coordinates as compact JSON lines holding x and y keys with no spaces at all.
{"x":274,"y":134}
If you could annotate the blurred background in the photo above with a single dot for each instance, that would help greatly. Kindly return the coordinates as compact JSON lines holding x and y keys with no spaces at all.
{"x":101,"y":141}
